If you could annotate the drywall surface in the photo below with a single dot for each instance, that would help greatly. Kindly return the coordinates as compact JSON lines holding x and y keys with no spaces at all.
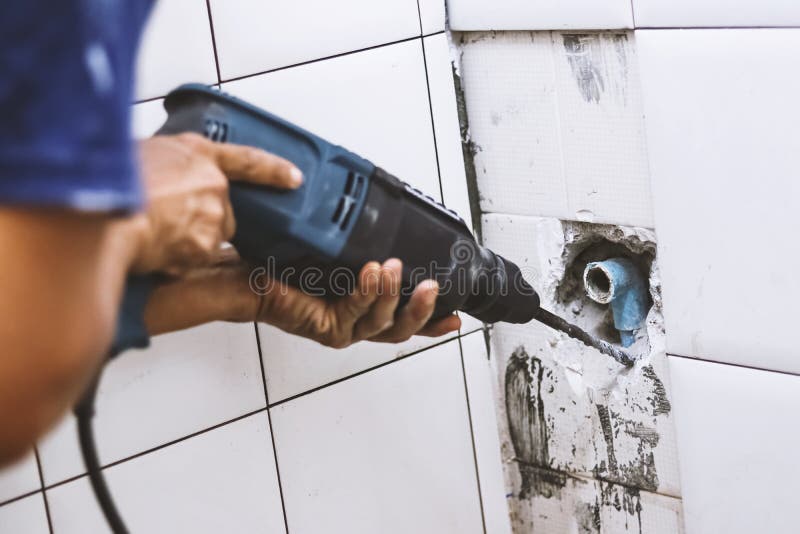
{"x":557,"y":138}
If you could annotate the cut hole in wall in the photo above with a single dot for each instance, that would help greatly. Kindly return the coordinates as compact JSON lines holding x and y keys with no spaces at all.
{"x":588,"y":243}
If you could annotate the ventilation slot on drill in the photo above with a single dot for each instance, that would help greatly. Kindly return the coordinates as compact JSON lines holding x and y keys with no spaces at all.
{"x":216,"y":130}
{"x":348,"y":201}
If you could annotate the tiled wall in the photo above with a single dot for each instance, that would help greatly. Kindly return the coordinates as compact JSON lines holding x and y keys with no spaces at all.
{"x":558,"y":135}
{"x":233,"y":428}
{"x":712,"y":167}
{"x":724,"y":151}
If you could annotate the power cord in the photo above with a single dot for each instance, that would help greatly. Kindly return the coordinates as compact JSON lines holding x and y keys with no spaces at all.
{"x":131,"y":333}
{"x":85,"y":414}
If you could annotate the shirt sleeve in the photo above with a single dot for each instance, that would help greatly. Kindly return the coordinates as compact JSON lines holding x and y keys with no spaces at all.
{"x":65,"y":97}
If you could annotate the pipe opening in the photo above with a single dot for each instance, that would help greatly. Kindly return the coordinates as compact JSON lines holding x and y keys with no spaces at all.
{"x":619,"y":283}
{"x":598,"y":284}
{"x":587,"y":295}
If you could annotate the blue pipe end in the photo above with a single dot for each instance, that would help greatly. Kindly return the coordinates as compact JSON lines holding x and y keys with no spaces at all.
{"x":618,"y":282}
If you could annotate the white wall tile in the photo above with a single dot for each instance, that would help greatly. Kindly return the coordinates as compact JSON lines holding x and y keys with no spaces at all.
{"x":448,"y":137}
{"x":220,"y":481}
{"x":26,"y":516}
{"x":294,"y":364}
{"x":147,"y":118}
{"x":374,"y":103}
{"x":432,"y":14}
{"x":539,"y":14}
{"x":446,"y":125}
{"x":721,"y":119}
{"x":738,"y":435}
{"x":716,"y":13}
{"x":19,"y":478}
{"x":513,"y":117}
{"x":480,"y":374}
{"x":258,"y":35}
{"x":388,"y":451}
{"x":602,"y":131}
{"x":176,"y":48}
{"x":557,"y":123}
{"x":185,"y":382}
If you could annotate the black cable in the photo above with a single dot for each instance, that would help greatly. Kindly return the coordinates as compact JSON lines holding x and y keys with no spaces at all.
{"x":84,"y":411}
{"x":131,"y":333}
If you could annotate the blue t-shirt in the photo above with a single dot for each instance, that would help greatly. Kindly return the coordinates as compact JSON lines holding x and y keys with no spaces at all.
{"x":66,"y":72}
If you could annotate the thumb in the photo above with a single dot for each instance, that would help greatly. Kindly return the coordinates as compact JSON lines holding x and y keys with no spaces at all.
{"x":253,"y":165}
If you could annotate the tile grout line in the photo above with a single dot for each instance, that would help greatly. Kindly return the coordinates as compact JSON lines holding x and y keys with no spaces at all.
{"x":582,"y":477}
{"x":278,"y":472}
{"x":317,"y":60}
{"x":368,"y":370}
{"x":559,"y":126}
{"x":633,"y":16}
{"x":20,"y":497}
{"x":715,"y":27}
{"x":220,"y":81}
{"x":271,"y":432}
{"x":732,"y":364}
{"x":430,"y":103}
{"x":261,"y":364}
{"x":433,"y":121}
{"x":146,"y":100}
{"x":564,"y":218}
{"x":213,"y":40}
{"x":472,"y":436}
{"x":158,"y":447}
{"x":238,"y":418}
{"x":419,"y":18}
{"x":44,"y":493}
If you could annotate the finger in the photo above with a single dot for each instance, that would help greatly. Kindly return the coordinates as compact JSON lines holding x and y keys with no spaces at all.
{"x":381,"y":314}
{"x":415,"y":314}
{"x":228,"y":221}
{"x":226,"y":255}
{"x":441,"y":327}
{"x":357,"y":304}
{"x":256,"y":166}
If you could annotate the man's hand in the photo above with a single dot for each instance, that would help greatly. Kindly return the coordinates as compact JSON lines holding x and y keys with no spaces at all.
{"x":368,"y":313}
{"x":189,"y":213}
{"x":71,"y":267}
{"x":223,"y":292}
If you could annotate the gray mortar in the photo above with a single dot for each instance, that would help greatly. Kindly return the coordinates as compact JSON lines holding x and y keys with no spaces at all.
{"x":468,"y":147}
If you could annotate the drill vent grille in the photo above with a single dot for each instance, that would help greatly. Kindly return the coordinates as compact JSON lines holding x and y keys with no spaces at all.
{"x":216,"y":130}
{"x":348,"y":201}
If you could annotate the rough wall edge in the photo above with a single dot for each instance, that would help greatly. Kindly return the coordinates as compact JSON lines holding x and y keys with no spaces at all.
{"x":468,"y":147}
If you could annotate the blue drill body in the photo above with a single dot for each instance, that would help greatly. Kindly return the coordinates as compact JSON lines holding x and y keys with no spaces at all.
{"x":348,"y":212}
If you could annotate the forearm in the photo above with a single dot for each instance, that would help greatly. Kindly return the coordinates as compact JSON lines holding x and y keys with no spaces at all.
{"x":61,"y":284}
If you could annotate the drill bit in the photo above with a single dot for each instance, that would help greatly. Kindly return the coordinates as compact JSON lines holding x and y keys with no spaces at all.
{"x":557,"y":323}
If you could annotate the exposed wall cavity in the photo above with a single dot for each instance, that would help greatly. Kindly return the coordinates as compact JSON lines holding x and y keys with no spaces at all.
{"x":579,"y":429}
{"x":594,"y":243}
